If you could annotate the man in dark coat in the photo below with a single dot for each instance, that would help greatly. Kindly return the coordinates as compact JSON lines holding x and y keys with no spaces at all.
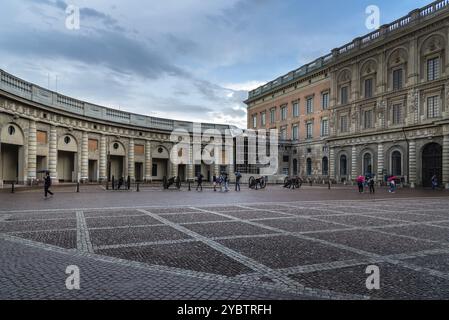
{"x":47,"y":184}
{"x":200,"y":181}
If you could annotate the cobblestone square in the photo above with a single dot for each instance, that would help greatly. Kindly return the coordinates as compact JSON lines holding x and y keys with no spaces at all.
{"x":292,"y":249}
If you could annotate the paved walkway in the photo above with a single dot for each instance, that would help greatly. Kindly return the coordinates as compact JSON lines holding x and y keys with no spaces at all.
{"x":252,"y":250}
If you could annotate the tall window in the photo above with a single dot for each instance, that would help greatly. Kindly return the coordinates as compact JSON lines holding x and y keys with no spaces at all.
{"x":368,"y":88}
{"x":397,"y":113}
{"x":283,"y":133}
{"x":295,"y":132}
{"x":344,"y":95}
{"x":325,"y":166}
{"x":344,"y":123}
{"x":367,"y":164}
{"x":343,"y":165}
{"x":433,"y":69}
{"x":296,"y":109}
{"x":325,"y":100}
{"x":368,"y":119}
{"x":309,"y":130}
{"x":397,"y":79}
{"x":309,"y":166}
{"x":324,"y":127}
{"x":396,"y":163}
{"x":284,"y":113}
{"x":254,"y":121}
{"x":309,"y":105}
{"x":273,"y":115}
{"x":263,"y":120}
{"x":433,"y":108}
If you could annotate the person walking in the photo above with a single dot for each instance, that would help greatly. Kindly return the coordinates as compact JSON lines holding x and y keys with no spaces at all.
{"x":47,"y":184}
{"x":434,"y":182}
{"x":200,"y":182}
{"x":238,"y":176}
{"x":371,"y":185}
{"x":226,"y":182}
{"x":392,"y":186}
{"x":214,"y":181}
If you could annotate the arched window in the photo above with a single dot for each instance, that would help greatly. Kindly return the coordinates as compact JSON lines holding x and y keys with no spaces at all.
{"x":343,"y":165}
{"x":367,"y":164}
{"x":325,"y":166}
{"x":309,"y":166}
{"x":396,"y":163}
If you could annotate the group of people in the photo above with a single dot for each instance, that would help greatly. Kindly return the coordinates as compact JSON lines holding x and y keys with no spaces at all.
{"x":222,"y":182}
{"x":366,"y":182}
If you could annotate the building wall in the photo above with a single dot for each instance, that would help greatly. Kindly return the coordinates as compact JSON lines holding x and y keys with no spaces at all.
{"x":392,"y":119}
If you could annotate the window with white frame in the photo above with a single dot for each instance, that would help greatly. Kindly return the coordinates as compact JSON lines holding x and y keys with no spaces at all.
{"x":433,"y":68}
{"x":309,"y":130}
{"x":433,"y":107}
{"x":295,"y":131}
{"x":273,"y":115}
{"x":284,"y":113}
{"x":325,"y":100}
{"x":296,"y":109}
{"x":324,"y":127}
{"x":397,"y":79}
{"x":263,"y":118}
{"x":254,"y":121}
{"x":396,"y":113}
{"x":283,"y":133}
{"x":309,"y":105}
{"x":368,"y":119}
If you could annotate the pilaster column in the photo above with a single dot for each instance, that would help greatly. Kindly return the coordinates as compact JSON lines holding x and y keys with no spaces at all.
{"x":353,"y":163}
{"x":412,"y":163}
{"x":85,"y":157}
{"x":131,"y":163}
{"x":380,"y":161}
{"x":53,"y":154}
{"x":148,"y":162}
{"x":331,"y":163}
{"x":190,"y":165}
{"x":103,"y":159}
{"x":446,"y":161}
{"x":173,"y":169}
{"x":32,"y":151}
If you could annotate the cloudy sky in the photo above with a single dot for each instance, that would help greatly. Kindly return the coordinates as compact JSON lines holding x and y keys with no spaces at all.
{"x":183,"y":59}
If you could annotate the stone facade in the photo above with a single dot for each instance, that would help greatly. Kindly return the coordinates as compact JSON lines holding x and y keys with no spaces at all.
{"x":388,"y":103}
{"x":78,"y":141}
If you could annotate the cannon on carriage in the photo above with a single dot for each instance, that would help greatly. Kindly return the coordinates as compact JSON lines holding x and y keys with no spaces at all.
{"x":260,"y":183}
{"x":167,"y":183}
{"x":293,"y":182}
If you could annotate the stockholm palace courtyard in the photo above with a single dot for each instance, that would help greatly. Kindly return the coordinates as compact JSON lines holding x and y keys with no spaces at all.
{"x":311,"y":243}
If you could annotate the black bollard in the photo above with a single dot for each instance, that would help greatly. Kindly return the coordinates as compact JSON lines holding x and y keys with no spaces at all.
{"x":189,"y":186}
{"x":12,"y":188}
{"x":138,"y":187}
{"x":77,"y":187}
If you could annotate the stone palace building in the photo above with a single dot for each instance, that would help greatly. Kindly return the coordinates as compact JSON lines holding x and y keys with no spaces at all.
{"x":79,"y":141}
{"x":377,"y":105}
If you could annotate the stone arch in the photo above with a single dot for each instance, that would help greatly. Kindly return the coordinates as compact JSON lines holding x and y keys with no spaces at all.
{"x":397,"y":56}
{"x":11,"y":133}
{"x":117,"y":148}
{"x":68,"y":142}
{"x":368,"y":162}
{"x":344,"y":76}
{"x":395,"y":167}
{"x":160,"y":152}
{"x":368,"y":67}
{"x":432,"y":43}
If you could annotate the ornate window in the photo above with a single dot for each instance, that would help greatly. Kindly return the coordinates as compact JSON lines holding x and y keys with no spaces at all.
{"x":309,"y":167}
{"x":397,"y":79}
{"x":325,"y":166}
{"x":433,"y":108}
{"x":343,"y":165}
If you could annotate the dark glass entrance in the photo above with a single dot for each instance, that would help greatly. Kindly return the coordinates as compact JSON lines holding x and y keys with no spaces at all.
{"x":432,"y":163}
